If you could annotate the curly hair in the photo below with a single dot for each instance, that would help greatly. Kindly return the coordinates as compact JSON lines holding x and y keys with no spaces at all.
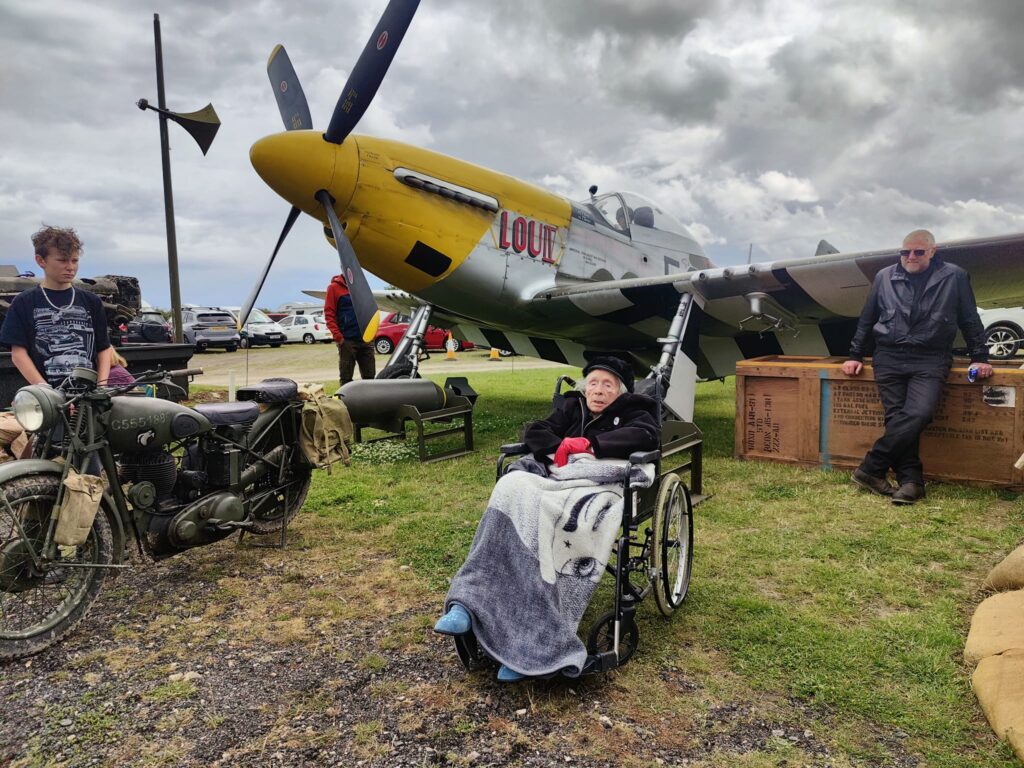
{"x":64,"y":240}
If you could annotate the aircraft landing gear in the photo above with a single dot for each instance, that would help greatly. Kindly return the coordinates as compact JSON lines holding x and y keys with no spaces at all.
{"x":404,"y":362}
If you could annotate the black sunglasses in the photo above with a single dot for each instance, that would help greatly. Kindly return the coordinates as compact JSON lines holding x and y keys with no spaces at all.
{"x":917,"y":252}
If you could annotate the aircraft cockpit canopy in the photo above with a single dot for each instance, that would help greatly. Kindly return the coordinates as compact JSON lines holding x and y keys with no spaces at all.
{"x":628,"y":210}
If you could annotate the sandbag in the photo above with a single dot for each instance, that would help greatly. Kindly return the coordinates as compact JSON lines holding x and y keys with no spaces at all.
{"x":325,"y":432}
{"x":998,"y":682}
{"x":1009,"y":574}
{"x":12,"y":434}
{"x":997,"y":626}
{"x":82,"y":497}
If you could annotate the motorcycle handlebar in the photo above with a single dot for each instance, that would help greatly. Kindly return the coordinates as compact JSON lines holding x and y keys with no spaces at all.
{"x":186,"y":372}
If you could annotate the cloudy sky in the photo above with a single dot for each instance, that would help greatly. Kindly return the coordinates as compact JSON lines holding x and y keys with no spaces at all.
{"x":763,"y":123}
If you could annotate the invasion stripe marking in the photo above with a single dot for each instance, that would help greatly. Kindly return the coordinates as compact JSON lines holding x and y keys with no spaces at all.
{"x":497,"y":339}
{"x":838,"y":336}
{"x":548,"y":349}
{"x":648,"y":301}
{"x":758,"y":345}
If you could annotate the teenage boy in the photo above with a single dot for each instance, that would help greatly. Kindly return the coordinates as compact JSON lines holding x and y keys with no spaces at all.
{"x":55,"y":327}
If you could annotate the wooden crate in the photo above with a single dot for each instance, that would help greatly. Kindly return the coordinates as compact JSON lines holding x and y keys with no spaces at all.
{"x":805,"y":410}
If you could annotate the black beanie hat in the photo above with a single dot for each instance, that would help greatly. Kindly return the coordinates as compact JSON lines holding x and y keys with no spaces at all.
{"x":613,"y":365}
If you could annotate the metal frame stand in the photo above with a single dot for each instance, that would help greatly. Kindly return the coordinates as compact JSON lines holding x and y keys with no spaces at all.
{"x":265,"y":545}
{"x":460,"y":406}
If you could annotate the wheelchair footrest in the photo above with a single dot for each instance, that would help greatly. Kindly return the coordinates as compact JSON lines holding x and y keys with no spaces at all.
{"x":603,"y":662}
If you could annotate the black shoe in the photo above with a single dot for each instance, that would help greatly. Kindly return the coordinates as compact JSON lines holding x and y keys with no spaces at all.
{"x":908,"y":493}
{"x":871,"y":483}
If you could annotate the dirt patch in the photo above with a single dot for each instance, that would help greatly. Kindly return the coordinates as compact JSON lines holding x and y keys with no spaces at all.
{"x":243,"y":656}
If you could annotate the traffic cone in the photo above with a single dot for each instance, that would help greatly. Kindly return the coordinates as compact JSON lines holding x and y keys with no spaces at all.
{"x":494,"y":354}
{"x":450,"y":347}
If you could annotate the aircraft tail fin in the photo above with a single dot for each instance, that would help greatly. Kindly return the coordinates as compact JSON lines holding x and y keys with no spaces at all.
{"x":825,"y":248}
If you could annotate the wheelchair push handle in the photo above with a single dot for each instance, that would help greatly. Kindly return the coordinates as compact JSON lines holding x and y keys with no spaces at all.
{"x":513,"y":449}
{"x":563,"y":380}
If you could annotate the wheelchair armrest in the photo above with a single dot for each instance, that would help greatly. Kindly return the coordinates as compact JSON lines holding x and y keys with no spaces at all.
{"x":513,"y":449}
{"x":644,"y":457}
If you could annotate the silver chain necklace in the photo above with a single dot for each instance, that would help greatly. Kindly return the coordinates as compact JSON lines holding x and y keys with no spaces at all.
{"x":60,"y":310}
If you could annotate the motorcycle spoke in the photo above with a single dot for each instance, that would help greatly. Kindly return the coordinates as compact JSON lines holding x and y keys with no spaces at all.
{"x":48,"y":596}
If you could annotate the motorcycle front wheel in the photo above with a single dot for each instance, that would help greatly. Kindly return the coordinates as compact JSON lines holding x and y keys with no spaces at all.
{"x":41,"y":605}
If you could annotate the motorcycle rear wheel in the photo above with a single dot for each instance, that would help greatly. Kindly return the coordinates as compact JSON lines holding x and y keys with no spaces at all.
{"x":271,"y":519}
{"x":38,"y":609}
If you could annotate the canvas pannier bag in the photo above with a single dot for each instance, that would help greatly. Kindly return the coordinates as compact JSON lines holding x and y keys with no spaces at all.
{"x":82,"y":496}
{"x":312,"y":391}
{"x":325,"y":432}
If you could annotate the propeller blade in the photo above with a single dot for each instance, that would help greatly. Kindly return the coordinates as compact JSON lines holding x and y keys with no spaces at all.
{"x":370,"y":69}
{"x":362,"y":297}
{"x":243,"y":316}
{"x":288,"y":91}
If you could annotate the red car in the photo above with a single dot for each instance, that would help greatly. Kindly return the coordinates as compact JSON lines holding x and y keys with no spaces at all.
{"x":393,"y":327}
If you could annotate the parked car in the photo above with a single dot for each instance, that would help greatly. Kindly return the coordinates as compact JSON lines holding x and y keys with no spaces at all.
{"x":205,"y":327}
{"x":394,"y":326}
{"x":147,"y":327}
{"x":1004,"y":331}
{"x":259,"y":330}
{"x":308,"y":329}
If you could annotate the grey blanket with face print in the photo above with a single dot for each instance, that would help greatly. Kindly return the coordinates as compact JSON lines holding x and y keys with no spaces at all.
{"x":539,"y":552}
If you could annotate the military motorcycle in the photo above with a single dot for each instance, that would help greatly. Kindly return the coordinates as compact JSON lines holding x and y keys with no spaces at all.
{"x":175,"y":478}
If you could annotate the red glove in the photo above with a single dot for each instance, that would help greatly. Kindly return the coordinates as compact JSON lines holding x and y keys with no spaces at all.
{"x":571,"y":445}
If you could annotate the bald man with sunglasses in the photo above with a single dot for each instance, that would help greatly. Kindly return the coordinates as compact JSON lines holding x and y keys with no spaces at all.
{"x":909,"y":324}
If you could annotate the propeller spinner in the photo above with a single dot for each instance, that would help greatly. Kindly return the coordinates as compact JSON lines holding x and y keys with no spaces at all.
{"x":353,"y":102}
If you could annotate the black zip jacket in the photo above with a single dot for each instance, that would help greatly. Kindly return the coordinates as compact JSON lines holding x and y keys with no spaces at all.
{"x":629,"y":424}
{"x":946,"y":303}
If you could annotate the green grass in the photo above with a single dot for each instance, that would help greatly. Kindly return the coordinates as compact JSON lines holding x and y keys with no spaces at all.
{"x":804,"y":590}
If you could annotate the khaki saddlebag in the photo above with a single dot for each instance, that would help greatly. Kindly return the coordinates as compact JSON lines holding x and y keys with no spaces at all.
{"x":326,"y":431}
{"x":82,"y":497}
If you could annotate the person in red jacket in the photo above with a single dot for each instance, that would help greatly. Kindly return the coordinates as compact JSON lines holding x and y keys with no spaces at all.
{"x":341,"y":320}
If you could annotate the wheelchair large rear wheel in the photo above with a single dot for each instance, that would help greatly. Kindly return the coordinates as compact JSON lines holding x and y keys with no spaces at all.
{"x":673,"y":543}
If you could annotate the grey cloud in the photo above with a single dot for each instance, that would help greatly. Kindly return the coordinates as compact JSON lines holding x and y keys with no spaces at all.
{"x":690,"y":96}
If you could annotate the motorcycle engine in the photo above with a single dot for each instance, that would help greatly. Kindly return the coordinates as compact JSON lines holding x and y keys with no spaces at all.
{"x":156,"y":467}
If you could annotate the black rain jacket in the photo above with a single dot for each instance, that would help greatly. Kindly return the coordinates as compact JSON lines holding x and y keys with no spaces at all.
{"x":946,"y":303}
{"x":629,"y":424}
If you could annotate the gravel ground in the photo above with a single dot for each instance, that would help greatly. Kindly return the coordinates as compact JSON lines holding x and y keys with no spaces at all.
{"x":242,"y":656}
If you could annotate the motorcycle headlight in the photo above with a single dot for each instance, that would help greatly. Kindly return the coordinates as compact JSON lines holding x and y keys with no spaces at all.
{"x":37,"y":407}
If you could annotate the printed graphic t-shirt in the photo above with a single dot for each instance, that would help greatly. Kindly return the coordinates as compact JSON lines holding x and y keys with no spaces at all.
{"x":58,"y":340}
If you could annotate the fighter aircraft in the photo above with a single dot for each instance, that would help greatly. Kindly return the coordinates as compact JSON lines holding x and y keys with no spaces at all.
{"x":510,"y":265}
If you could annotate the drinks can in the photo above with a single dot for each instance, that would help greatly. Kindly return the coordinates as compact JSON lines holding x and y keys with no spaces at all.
{"x":972,"y":374}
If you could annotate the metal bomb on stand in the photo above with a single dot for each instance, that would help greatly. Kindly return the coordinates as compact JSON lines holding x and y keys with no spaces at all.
{"x":386,"y":404}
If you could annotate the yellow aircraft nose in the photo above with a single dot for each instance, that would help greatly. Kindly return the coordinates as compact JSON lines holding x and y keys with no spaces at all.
{"x":298,"y":164}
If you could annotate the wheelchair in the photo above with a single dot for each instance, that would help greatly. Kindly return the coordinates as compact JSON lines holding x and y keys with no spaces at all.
{"x":654,"y":559}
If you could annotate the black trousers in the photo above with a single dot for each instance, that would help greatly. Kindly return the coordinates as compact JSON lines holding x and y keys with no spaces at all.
{"x":352,"y":352}
{"x":910,"y":385}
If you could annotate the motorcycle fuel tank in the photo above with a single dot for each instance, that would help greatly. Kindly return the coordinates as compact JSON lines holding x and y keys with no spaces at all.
{"x":141,"y":423}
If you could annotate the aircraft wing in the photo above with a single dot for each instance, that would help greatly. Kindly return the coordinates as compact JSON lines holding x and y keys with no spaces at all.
{"x":795,"y":307}
{"x":393,"y":300}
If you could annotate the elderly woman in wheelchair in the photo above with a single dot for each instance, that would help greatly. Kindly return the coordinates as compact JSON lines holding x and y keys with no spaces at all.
{"x":546,"y":537}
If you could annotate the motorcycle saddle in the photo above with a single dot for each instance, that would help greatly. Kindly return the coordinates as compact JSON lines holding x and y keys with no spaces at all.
{"x":224,"y":414}
{"x":276,"y":390}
